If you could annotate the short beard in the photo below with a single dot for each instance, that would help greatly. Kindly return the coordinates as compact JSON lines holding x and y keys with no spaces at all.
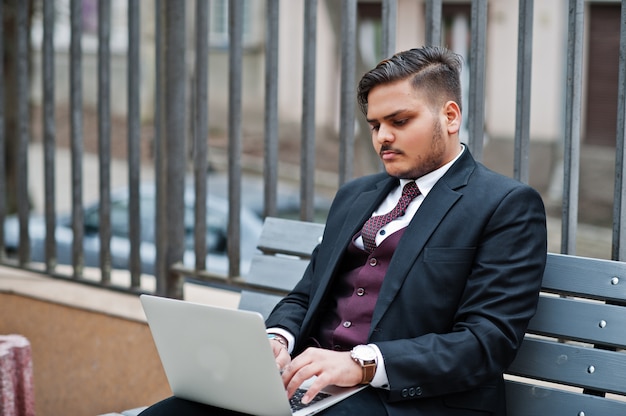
{"x":433,"y":160}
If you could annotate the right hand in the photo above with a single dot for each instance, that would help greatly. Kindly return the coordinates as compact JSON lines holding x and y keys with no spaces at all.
{"x":280,"y":354}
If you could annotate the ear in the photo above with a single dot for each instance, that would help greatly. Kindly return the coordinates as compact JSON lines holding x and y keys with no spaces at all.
{"x":452,"y":114}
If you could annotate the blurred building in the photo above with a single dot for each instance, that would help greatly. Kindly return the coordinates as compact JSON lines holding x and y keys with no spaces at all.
{"x":601,"y":39}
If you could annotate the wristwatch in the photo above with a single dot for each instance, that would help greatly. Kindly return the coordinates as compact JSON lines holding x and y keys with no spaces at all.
{"x":281,"y":340}
{"x":365,"y":356}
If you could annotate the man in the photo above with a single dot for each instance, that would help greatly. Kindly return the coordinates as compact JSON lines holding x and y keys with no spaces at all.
{"x":430,"y":309}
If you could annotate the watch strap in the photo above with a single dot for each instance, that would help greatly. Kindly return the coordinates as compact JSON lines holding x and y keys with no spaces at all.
{"x":369,"y":370}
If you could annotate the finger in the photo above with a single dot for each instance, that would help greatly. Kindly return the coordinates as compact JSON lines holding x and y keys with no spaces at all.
{"x":295,"y":374}
{"x":313,"y":390}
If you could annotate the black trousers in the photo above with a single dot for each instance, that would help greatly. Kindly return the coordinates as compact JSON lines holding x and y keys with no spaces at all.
{"x":364,"y":403}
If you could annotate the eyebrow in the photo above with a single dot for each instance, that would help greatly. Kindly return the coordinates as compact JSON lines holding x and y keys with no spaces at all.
{"x":388,"y":116}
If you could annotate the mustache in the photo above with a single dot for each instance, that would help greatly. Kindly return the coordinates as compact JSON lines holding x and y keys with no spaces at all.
{"x":388,"y":148}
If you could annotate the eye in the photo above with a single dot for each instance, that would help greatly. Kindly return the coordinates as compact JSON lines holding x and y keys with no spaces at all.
{"x":401,"y":122}
{"x":374,"y":127}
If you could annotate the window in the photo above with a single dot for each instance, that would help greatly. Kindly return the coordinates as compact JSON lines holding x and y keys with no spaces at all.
{"x":218,"y":24}
{"x":89,"y":22}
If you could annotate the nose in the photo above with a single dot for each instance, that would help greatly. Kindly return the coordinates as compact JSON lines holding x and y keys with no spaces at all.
{"x":384,"y":134}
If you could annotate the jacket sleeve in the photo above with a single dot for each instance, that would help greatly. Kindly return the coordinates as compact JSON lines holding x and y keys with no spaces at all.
{"x":290,"y":312}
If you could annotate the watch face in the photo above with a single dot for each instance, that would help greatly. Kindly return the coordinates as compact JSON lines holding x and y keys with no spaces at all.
{"x":364,"y":352}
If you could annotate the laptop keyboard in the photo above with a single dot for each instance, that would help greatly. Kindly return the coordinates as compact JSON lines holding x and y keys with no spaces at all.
{"x":296,"y":399}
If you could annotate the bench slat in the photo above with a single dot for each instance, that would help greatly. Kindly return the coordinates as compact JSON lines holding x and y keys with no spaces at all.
{"x":570,"y":364}
{"x":596,"y":323}
{"x":262,"y":303}
{"x":581,"y":276}
{"x":290,"y":237}
{"x":276,"y":272}
{"x":530,"y":400}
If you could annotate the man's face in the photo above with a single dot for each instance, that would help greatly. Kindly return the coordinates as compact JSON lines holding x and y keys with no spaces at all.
{"x":411,"y":136}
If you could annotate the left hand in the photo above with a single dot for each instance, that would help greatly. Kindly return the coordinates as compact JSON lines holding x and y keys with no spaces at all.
{"x":330,"y":367}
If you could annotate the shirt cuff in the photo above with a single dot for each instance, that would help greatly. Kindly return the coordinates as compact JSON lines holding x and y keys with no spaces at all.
{"x":291,"y":340}
{"x":380,"y":379}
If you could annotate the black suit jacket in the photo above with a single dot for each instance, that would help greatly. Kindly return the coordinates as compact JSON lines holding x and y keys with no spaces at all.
{"x":458,"y":295}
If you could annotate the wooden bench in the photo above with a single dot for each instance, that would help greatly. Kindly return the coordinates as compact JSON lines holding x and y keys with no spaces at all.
{"x":573,"y":359}
{"x":286,"y":247}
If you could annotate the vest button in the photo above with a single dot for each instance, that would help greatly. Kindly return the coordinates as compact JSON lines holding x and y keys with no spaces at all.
{"x":373,"y":261}
{"x":360,"y":291}
{"x":347,"y":324}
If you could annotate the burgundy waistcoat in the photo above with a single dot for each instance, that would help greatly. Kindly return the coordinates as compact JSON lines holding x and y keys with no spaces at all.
{"x":348,"y":314}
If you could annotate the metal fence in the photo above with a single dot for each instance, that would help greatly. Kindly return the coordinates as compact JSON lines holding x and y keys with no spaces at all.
{"x":172,"y":109}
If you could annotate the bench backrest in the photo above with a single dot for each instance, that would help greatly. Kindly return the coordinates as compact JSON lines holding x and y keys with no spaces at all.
{"x":286,"y":247}
{"x":577,"y":339}
{"x":574,"y":352}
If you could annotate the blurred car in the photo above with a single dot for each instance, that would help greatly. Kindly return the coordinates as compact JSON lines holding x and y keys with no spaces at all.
{"x":217,"y":219}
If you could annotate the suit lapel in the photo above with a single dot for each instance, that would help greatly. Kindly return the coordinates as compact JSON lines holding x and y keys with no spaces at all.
{"x":431,"y":213}
{"x":362,"y":208}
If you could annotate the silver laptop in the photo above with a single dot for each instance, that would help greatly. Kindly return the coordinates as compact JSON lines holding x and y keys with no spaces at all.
{"x":221,"y":357}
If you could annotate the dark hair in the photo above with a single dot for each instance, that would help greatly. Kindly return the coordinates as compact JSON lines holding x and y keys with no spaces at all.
{"x":433,"y":69}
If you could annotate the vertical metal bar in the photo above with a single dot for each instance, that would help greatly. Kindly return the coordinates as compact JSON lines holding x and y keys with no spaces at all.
{"x":3,"y":178}
{"x":348,"y":69}
{"x":175,"y":80}
{"x":201,"y":132}
{"x":270,"y":172}
{"x":433,"y":22}
{"x":571,"y":158}
{"x":619,"y":208}
{"x":49,"y":133}
{"x":389,"y":22}
{"x":235,"y":31}
{"x":522,"y":105}
{"x":307,"y":156}
{"x":160,"y":159}
{"x":476,"y":101}
{"x":104,"y":137}
{"x":76,"y":135}
{"x":134,"y":137}
{"x":23,"y":203}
